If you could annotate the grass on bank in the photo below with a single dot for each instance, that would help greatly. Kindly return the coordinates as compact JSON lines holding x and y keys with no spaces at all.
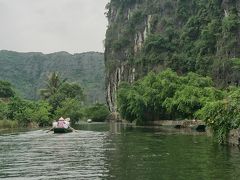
{"x":8,"y":124}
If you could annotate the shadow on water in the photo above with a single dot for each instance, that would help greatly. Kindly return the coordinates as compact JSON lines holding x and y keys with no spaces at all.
{"x":116,"y":151}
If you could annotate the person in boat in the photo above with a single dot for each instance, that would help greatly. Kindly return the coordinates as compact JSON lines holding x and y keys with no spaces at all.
{"x":62,"y":123}
{"x":67,"y":121}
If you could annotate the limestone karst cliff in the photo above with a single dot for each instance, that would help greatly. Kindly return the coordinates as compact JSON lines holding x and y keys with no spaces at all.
{"x":202,"y":36}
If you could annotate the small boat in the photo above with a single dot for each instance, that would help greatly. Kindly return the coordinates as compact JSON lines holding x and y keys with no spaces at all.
{"x":62,"y":130}
{"x":62,"y":126}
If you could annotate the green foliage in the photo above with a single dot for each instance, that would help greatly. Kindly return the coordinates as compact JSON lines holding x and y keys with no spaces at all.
{"x":16,"y":106}
{"x":222,"y":115}
{"x":155,"y":48}
{"x":60,"y":99}
{"x":6,"y":90}
{"x":57,"y":90}
{"x":165,"y":96}
{"x":236,"y":63}
{"x":189,"y":99}
{"x":137,"y":18}
{"x":53,"y":84}
{"x":121,"y":43}
{"x":41,"y":113}
{"x":197,"y":80}
{"x":183,"y":10}
{"x":71,"y":108}
{"x":97,"y":112}
{"x":65,"y":91}
{"x":26,"y":112}
{"x":72,"y":90}
{"x":3,"y":110}
{"x":231,"y":22}
{"x":130,"y":103}
{"x":65,"y":99}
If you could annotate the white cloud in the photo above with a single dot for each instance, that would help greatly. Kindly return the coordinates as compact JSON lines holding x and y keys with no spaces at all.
{"x":52,"y":25}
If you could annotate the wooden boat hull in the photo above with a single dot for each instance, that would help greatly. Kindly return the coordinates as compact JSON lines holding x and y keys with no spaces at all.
{"x":62,"y":130}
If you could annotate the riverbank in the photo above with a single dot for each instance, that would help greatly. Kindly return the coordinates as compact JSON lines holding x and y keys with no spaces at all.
{"x":233,"y":137}
{"x":195,"y":124}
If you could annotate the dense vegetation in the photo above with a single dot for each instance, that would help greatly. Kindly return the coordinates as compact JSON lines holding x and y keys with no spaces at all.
{"x":97,"y":112}
{"x":59,"y":98}
{"x":165,"y":96}
{"x":223,"y":115}
{"x":28,"y":71}
{"x":169,"y":96}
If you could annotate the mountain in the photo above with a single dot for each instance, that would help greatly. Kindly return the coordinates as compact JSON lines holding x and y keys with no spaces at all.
{"x":201,"y":36}
{"x":28,"y":71}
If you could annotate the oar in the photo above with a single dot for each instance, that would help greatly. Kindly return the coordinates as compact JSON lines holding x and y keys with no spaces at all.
{"x":72,"y":128}
{"x":49,"y":130}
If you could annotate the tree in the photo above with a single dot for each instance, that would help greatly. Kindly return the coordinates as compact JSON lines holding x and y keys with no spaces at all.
{"x":222,"y":115}
{"x":15,"y":106}
{"x":40,"y":113}
{"x":97,"y":112}
{"x":26,"y":112}
{"x":53,"y":84}
{"x":144,"y":100}
{"x":6,"y":90}
{"x":3,"y":110}
{"x":71,"y":108}
{"x":66,"y":91}
{"x":72,"y":90}
{"x":123,"y":102}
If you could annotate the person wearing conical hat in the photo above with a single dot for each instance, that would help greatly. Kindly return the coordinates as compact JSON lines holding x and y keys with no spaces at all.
{"x":61,"y":122}
{"x":61,"y":119}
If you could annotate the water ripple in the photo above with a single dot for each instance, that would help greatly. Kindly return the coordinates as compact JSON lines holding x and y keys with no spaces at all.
{"x":38,"y":155}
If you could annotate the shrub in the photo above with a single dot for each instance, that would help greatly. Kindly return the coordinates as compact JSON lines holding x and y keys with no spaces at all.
{"x":97,"y":112}
{"x":6,"y":90}
{"x":26,"y":112}
{"x":222,"y":115}
{"x":71,"y":108}
{"x":8,"y":124}
{"x":3,"y":110}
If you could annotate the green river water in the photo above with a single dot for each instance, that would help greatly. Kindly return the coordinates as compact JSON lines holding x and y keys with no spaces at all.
{"x":116,"y":151}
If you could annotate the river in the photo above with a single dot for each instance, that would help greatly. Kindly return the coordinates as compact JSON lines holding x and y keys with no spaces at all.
{"x":115,"y":151}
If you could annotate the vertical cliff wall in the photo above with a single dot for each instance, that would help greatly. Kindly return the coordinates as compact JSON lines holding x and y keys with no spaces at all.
{"x":186,"y":35}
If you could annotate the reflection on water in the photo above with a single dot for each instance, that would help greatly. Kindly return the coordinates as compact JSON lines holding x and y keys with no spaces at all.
{"x":115,"y":151}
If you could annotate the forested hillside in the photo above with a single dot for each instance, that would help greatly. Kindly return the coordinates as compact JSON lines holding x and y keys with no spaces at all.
{"x":201,"y":36}
{"x":28,"y":71}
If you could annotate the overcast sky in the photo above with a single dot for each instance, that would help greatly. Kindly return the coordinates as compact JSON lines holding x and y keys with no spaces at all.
{"x":52,"y":25}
